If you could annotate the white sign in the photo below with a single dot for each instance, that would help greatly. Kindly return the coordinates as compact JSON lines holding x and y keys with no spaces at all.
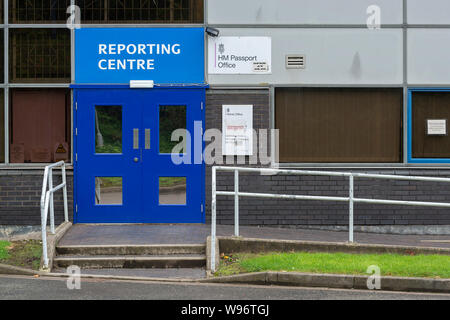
{"x":240,"y":55}
{"x":437,"y":127}
{"x":237,"y":130}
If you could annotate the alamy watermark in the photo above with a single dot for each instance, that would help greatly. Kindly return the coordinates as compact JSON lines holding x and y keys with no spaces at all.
{"x":374,"y":19}
{"x":74,"y":20}
{"x":74,"y":280}
{"x":259,"y":152}
{"x":374,"y":280}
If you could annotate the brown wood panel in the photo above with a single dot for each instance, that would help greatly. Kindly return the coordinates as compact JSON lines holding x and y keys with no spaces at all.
{"x":429,"y":105}
{"x":339,"y":124}
{"x":39,"y":121}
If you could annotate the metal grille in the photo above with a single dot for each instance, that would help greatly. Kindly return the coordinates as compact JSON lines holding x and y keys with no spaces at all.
{"x":1,"y":11}
{"x":39,"y":55}
{"x":295,"y":61}
{"x":2,"y":126}
{"x":2,"y":61}
{"x":107,"y":11}
{"x":92,"y":11}
{"x":141,"y":11}
{"x":38,"y":11}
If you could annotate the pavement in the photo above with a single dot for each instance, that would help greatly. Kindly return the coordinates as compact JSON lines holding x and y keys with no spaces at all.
{"x":154,"y":234}
{"x":28,"y":288}
{"x":138,"y":234}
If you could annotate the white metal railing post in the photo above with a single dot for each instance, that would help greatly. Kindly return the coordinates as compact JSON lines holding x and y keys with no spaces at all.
{"x":43,"y":218}
{"x":44,"y":229}
{"x":44,"y":236}
{"x":64,"y":181}
{"x":350,"y":203}
{"x":44,"y":247}
{"x":47,"y":201}
{"x":44,"y":188}
{"x":213,"y":220}
{"x":236,"y":203}
{"x":52,"y":208}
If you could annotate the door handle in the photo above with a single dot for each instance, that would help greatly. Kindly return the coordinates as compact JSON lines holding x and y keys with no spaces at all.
{"x":136,"y":159}
{"x":147,"y":139}
{"x":135,"y":139}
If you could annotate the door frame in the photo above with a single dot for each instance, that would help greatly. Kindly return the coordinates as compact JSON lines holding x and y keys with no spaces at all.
{"x":410,"y":157}
{"x":75,"y":89}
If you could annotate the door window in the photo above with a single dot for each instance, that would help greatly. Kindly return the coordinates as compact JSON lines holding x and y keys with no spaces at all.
{"x":108,"y":190}
{"x":108,"y":129}
{"x":171,"y":118}
{"x":172,"y":190}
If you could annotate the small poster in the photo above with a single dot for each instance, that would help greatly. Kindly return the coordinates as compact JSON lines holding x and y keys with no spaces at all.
{"x":237,"y":130}
{"x":437,"y":127}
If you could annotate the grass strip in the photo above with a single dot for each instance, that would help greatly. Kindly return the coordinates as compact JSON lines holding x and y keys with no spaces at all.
{"x":26,"y":254}
{"x":428,"y":266}
{"x":3,"y":249}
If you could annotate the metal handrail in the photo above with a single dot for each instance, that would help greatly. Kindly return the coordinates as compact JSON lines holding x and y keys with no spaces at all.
{"x":350,"y":199}
{"x":47,"y":202}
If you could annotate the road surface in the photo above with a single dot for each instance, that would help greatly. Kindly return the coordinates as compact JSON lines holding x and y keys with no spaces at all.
{"x":18,"y":287}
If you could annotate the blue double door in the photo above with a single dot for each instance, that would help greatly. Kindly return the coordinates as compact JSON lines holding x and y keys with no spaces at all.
{"x":138,"y":155}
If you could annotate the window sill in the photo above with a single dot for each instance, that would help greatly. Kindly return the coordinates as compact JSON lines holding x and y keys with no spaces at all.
{"x":29,"y":166}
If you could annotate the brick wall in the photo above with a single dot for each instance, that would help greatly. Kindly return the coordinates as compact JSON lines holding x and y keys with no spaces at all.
{"x":273,"y":212}
{"x":20,"y":195}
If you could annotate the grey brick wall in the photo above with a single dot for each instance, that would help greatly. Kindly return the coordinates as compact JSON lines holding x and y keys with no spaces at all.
{"x":20,"y":195}
{"x":290,"y":213}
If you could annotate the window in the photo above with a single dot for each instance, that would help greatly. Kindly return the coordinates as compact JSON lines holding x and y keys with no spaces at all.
{"x":338,"y":125}
{"x":138,"y":11}
{"x":1,"y":11}
{"x":171,"y":118}
{"x":108,"y":129}
{"x":2,"y":127}
{"x":40,"y":125}
{"x":172,"y":190}
{"x":108,"y":190}
{"x":39,"y":55}
{"x":38,"y":11}
{"x":430,"y":106}
{"x":2,"y":61}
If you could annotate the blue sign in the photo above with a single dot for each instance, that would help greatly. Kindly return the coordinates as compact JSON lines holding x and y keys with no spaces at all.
{"x":118,"y":55}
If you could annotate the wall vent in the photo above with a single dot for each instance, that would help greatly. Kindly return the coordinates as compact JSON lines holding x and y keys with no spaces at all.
{"x":295,"y":61}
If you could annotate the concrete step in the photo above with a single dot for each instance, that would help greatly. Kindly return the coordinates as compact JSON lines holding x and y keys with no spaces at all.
{"x":154,"y":273}
{"x":130,"y":261}
{"x":134,"y":250}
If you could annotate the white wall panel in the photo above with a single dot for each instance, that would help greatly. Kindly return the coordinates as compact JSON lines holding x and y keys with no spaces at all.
{"x":428,"y":11}
{"x":429,"y":56}
{"x":333,"y":56}
{"x":301,"y":11}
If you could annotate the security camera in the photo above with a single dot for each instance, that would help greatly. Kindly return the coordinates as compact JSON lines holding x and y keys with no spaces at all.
{"x":212,"y":32}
